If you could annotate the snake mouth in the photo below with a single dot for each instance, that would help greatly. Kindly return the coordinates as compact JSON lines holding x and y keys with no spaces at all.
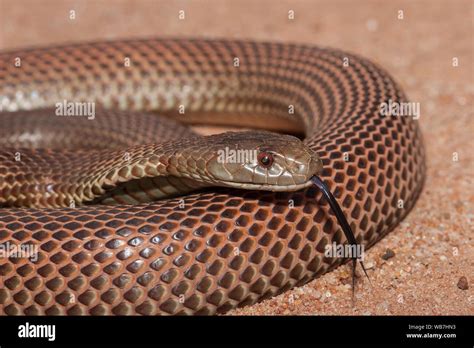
{"x":266,"y":187}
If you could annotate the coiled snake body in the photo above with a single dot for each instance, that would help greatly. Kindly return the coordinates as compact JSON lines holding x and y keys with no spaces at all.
{"x":264,"y":232}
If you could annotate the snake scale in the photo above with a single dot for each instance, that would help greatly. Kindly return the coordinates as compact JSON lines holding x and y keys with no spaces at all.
{"x":120,"y":251}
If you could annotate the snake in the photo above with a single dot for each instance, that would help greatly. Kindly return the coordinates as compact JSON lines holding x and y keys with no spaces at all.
{"x":133,"y":212}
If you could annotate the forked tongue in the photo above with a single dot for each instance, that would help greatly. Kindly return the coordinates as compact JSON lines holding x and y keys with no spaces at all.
{"x":346,"y":228}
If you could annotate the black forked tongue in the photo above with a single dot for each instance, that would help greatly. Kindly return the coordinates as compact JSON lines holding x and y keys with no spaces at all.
{"x":346,"y":228}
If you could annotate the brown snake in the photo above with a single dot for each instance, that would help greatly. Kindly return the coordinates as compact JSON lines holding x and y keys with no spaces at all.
{"x":217,"y":248}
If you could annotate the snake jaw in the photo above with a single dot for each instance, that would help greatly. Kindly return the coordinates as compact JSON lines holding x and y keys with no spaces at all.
{"x":263,"y":187}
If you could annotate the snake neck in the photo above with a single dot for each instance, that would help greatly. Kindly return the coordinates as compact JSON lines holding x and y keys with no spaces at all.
{"x":140,"y":174}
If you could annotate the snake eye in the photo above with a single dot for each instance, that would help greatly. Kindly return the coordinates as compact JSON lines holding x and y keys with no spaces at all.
{"x":265,"y":159}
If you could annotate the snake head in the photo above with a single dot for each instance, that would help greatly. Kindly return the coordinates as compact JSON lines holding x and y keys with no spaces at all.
{"x":260,"y":160}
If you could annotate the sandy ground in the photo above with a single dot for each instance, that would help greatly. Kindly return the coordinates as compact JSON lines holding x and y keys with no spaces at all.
{"x":433,"y":247}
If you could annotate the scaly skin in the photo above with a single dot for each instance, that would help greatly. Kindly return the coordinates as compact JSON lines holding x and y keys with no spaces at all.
{"x":221,"y":248}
